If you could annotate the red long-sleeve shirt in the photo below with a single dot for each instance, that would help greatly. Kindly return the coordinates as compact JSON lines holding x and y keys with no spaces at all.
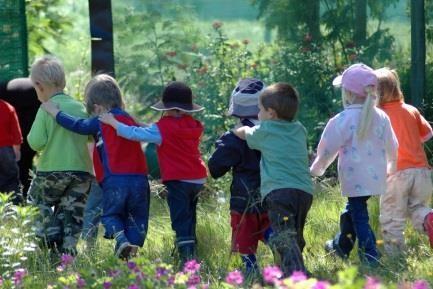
{"x":10,"y":132}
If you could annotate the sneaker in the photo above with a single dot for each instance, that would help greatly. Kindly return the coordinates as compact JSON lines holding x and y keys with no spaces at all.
{"x":330,"y":248}
{"x":428,"y":226}
{"x":125,"y":250}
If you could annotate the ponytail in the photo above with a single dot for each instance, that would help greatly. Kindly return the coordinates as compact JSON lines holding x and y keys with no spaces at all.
{"x":366,"y":114}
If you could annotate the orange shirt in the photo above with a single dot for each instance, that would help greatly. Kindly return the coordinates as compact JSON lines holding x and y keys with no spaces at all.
{"x":412,"y":130}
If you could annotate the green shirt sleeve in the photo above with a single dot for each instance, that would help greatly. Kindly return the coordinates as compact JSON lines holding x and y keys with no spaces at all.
{"x":254,"y":137}
{"x":38,"y":135}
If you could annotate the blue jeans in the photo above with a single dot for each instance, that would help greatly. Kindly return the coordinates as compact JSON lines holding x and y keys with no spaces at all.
{"x":182,"y":201}
{"x":354,"y":224}
{"x":92,"y":213}
{"x":126,"y":207}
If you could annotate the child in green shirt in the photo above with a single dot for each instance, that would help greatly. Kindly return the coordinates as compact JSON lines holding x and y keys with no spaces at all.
{"x":286,"y":185}
{"x":63,"y":171}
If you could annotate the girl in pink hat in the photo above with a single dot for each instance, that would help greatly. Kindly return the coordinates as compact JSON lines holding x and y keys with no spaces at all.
{"x":362,"y":138}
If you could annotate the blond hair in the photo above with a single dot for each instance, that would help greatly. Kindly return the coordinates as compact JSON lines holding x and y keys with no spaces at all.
{"x":367,"y":109}
{"x":48,"y":70}
{"x":103,"y":90}
{"x":388,"y":86}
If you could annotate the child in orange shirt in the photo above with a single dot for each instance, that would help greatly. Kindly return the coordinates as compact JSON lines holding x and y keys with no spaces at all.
{"x":409,"y":190}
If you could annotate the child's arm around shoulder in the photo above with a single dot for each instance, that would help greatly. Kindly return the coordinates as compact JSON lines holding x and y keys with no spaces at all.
{"x":145,"y":134}
{"x":82,"y":126}
{"x":252,"y":135}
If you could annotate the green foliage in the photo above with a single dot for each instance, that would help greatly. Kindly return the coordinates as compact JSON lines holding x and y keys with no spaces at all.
{"x":45,"y":21}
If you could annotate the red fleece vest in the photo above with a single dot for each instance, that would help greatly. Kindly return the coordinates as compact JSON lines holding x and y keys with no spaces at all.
{"x":178,"y":155}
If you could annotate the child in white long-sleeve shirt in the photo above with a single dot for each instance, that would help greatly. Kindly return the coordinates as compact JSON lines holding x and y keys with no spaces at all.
{"x":362,"y":137}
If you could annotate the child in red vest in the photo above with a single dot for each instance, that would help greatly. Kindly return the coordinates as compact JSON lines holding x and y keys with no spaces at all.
{"x":183,"y":171}
{"x":10,"y":143}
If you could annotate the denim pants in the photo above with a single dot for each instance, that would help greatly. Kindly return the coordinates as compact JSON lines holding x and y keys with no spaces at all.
{"x":126,"y":207}
{"x":287,"y":211}
{"x":354,"y":225}
{"x":182,"y":201}
{"x":92,"y":213}
{"x":9,"y":174}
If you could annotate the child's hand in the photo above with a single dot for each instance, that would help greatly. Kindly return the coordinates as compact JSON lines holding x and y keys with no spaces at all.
{"x":50,"y":107}
{"x":109,"y":119}
{"x":240,"y":132}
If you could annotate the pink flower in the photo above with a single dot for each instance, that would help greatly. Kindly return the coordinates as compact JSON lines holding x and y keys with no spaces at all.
{"x":272,"y":274}
{"x":80,"y":282}
{"x":193,"y":280}
{"x":19,"y":276}
{"x":66,"y":260}
{"x":235,"y":278}
{"x":420,"y":284}
{"x":191,"y":266}
{"x":217,"y":25}
{"x":298,"y":276}
{"x":371,"y":283}
{"x":107,"y":285}
{"x":321,"y":285}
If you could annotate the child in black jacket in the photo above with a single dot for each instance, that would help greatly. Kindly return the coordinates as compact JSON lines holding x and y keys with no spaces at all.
{"x":249,"y":220}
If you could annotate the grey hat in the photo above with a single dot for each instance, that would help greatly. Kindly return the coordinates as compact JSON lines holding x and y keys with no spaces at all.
{"x":244,"y":101}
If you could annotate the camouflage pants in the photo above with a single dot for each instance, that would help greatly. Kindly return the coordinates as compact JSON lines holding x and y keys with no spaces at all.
{"x":61,"y":198}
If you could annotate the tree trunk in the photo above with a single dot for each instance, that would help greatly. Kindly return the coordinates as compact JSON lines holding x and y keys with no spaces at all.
{"x":418,"y":52}
{"x":313,"y":21}
{"x":360,"y":22}
{"x":101,"y":33}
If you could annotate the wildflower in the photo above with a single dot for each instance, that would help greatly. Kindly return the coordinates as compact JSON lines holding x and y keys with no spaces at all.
{"x":235,"y":278}
{"x":171,"y":53}
{"x":191,"y":266}
{"x":133,"y":286}
{"x":272,"y":274}
{"x":107,"y":285}
{"x":1,"y":281}
{"x":371,"y":283}
{"x":131,"y":265}
{"x":60,"y":268}
{"x":66,"y":260}
{"x":19,"y":276}
{"x":245,"y":41}
{"x":114,"y":273}
{"x":170,"y":281}
{"x":193,"y":280}
{"x":217,"y":25}
{"x":80,"y":282}
{"x":321,"y":285}
{"x":161,"y":271}
{"x":298,"y":276}
{"x":420,"y":284}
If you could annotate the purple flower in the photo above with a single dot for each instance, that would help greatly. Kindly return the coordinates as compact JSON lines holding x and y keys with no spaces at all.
{"x":107,"y":285}
{"x":272,"y":274}
{"x":170,"y":280}
{"x":420,"y":284}
{"x":19,"y":276}
{"x":133,"y":286}
{"x":161,"y":271}
{"x":191,"y":266}
{"x":204,"y":286}
{"x":66,"y":260}
{"x":193,"y":280}
{"x":80,"y":282}
{"x":321,"y":285}
{"x":131,"y":265}
{"x":235,"y":278}
{"x":114,"y":273}
{"x":371,"y":283}
{"x":298,"y":276}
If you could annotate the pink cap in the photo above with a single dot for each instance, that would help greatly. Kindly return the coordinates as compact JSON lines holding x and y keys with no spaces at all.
{"x":356,"y":78}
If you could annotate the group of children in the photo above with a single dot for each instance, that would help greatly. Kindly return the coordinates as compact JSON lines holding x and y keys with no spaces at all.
{"x":380,"y":152}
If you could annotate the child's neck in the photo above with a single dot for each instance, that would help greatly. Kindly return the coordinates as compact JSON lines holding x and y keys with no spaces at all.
{"x":174,"y":112}
{"x":52,"y":91}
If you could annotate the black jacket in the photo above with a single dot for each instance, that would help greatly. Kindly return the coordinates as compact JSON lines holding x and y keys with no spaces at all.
{"x":233,"y":154}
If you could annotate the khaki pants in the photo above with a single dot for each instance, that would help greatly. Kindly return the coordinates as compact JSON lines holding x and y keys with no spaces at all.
{"x":408,"y":193}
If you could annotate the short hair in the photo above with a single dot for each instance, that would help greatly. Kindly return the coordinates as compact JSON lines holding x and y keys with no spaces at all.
{"x":388,"y":85}
{"x":283,"y":98}
{"x":102,"y":90}
{"x":48,"y":70}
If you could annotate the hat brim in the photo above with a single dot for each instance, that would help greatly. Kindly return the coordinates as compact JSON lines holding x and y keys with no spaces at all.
{"x":160,"y":106}
{"x":337,"y":81}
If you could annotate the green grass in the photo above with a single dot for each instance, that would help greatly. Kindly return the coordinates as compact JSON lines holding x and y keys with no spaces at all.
{"x":213,"y":233}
